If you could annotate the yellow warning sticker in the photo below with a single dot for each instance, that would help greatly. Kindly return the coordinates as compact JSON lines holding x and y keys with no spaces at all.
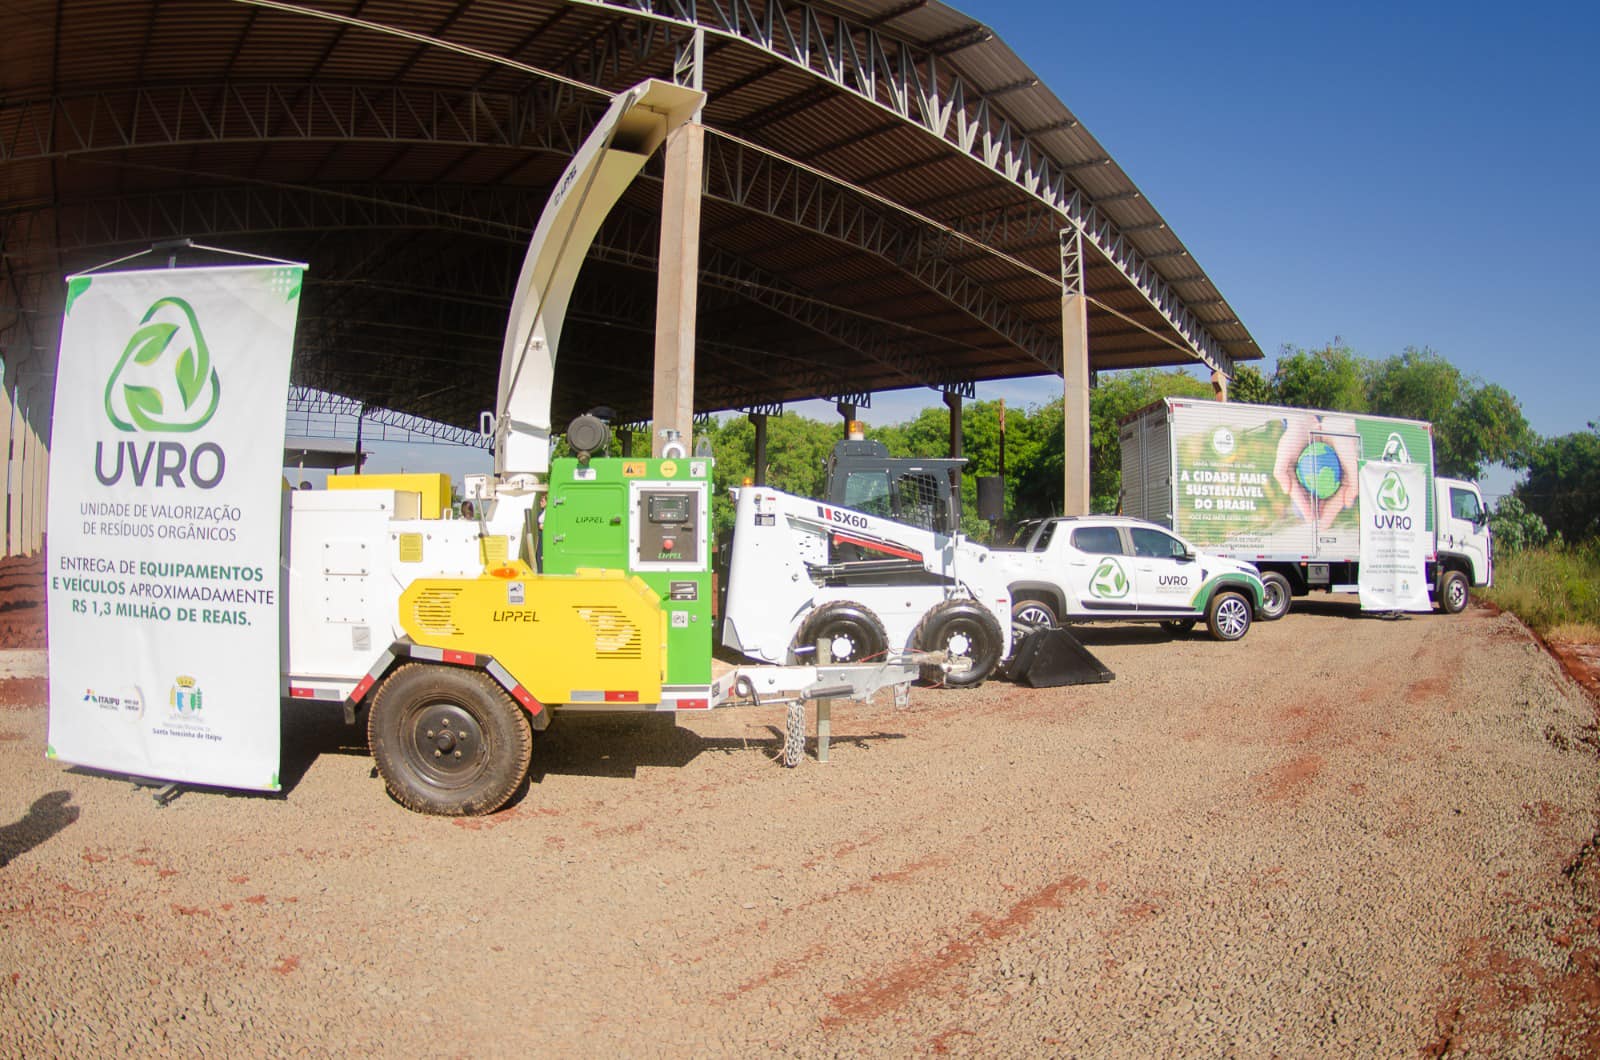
{"x":634,"y":469}
{"x":669,"y":468}
{"x":410,"y":548}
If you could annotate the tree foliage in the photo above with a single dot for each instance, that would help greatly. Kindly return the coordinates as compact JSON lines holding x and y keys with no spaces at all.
{"x":1563,"y":483}
{"x":1332,"y":377}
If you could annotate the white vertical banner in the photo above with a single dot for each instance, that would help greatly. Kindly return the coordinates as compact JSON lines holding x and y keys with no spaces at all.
{"x":1394,"y":537}
{"x":164,"y":521}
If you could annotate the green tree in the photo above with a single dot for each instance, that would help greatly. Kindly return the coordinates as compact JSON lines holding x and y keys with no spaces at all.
{"x":1249,"y":386}
{"x":1332,"y":377}
{"x":1474,"y":423}
{"x":1563,"y":484}
{"x":1514,"y":527}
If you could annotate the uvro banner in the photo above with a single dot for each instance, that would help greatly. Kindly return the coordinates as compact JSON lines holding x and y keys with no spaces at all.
{"x":1395,"y":540}
{"x":164,"y":522}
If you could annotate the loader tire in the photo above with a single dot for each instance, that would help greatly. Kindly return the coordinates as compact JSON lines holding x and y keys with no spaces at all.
{"x":448,"y":741}
{"x":854,"y":634}
{"x":963,"y":628}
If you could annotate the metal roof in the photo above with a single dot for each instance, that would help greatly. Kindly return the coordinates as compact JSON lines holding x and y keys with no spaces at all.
{"x":885,"y":187}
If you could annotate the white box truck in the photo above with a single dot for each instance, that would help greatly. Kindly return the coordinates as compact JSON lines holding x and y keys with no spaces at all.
{"x":1278,"y":487}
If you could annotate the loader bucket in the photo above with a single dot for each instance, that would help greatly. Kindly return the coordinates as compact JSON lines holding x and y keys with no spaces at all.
{"x":1049,"y":658}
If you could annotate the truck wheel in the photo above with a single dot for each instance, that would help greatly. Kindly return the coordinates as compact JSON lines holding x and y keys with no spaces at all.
{"x":1228,"y":615}
{"x":852,"y":631}
{"x":448,"y":741}
{"x":966,"y":630}
{"x":1453,"y":592}
{"x":1032,"y":614}
{"x":1178,"y":626}
{"x":1275,"y":597}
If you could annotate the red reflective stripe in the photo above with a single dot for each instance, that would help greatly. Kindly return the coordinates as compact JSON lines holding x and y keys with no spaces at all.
{"x":361,"y":688}
{"x":461,"y":658}
{"x":622,"y":697}
{"x":694,"y":704}
{"x":877,"y":546}
{"x":302,"y":693}
{"x":526,"y":699}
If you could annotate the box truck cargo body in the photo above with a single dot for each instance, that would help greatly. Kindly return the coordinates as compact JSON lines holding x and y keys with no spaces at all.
{"x":1278,"y":487}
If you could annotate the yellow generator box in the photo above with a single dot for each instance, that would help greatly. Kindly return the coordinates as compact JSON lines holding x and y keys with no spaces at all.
{"x":432,"y":489}
{"x":594,"y":637}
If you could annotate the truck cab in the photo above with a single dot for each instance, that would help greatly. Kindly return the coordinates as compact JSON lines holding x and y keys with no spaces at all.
{"x":1465,"y":546}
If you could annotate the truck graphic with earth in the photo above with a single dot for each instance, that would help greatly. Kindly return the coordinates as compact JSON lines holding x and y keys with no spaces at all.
{"x":1278,"y":487}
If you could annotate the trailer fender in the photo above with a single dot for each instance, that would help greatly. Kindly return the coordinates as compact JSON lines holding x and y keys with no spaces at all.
{"x":404,"y":650}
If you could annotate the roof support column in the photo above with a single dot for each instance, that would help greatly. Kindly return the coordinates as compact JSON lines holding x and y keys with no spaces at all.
{"x":1074,"y":374}
{"x":677,"y":282}
{"x":957,"y":435}
{"x":16,"y":487}
{"x":759,"y":421}
{"x":1219,"y":385}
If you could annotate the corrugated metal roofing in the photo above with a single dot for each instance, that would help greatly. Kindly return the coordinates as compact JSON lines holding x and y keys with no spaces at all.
{"x":409,"y":174}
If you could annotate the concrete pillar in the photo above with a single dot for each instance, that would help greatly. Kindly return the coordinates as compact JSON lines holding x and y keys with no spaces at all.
{"x":1074,"y":375}
{"x":1219,"y":385}
{"x":16,"y":489}
{"x":677,"y":282}
{"x":846,"y":409}
{"x":759,"y":421}
{"x":9,"y":434}
{"x":957,"y":435}
{"x":40,"y":490}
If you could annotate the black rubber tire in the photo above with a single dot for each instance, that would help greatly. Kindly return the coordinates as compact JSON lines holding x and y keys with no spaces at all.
{"x":1228,"y":615}
{"x":1452,"y":592}
{"x":428,"y":766}
{"x":1178,"y":627}
{"x":1032,"y":614}
{"x":964,"y":627}
{"x":1275,"y":598}
{"x":854,"y":632}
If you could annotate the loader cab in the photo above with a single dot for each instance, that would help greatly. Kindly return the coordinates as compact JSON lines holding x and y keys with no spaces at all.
{"x":925,"y":493}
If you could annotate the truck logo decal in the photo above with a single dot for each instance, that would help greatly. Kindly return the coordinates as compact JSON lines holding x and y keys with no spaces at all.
{"x":1110,"y":581}
{"x":1394,"y":450}
{"x":1222,"y":441}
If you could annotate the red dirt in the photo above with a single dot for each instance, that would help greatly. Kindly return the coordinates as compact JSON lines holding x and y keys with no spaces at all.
{"x":22,"y":602}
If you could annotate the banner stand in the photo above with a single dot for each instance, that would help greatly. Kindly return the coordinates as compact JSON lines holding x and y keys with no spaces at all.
{"x":165,"y":790}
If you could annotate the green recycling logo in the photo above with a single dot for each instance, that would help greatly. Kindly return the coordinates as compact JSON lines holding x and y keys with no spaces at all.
{"x":1392,"y":495}
{"x":1110,"y":582}
{"x":164,"y":381}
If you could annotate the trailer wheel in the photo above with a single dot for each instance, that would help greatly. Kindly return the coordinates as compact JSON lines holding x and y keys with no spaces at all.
{"x":1228,"y":615}
{"x":852,"y":631}
{"x":966,"y":630}
{"x":448,"y":741}
{"x":1452,"y":592}
{"x":1275,"y":597}
{"x":1178,"y":626}
{"x":1032,"y":614}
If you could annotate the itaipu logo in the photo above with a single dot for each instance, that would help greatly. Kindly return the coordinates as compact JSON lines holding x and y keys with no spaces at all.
{"x":1392,"y":495}
{"x":164,"y":381}
{"x":1222,"y":441}
{"x":1110,"y":581}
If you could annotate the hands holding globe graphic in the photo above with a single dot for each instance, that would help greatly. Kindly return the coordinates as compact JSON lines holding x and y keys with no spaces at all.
{"x":1318,"y":470}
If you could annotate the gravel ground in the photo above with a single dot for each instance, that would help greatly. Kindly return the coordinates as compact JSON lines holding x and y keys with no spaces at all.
{"x":1340,"y":836}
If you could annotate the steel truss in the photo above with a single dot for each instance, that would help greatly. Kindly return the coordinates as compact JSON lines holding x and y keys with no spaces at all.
{"x":305,"y":399}
{"x":912,"y":83}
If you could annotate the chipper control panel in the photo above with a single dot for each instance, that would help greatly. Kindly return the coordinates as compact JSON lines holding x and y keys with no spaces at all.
{"x":650,"y":517}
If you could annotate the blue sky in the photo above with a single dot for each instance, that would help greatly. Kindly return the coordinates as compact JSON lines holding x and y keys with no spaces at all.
{"x":1392,"y":174}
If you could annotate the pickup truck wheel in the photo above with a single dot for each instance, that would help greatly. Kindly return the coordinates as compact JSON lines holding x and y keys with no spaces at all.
{"x":1178,"y":626}
{"x":1033,"y":614}
{"x":1275,"y":597}
{"x":1228,"y":615}
{"x":1452,"y":592}
{"x":852,"y":631}
{"x":966,"y":630}
{"x":448,"y":741}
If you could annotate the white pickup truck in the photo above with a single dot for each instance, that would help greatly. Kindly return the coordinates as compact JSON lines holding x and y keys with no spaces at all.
{"x":1110,"y":568}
